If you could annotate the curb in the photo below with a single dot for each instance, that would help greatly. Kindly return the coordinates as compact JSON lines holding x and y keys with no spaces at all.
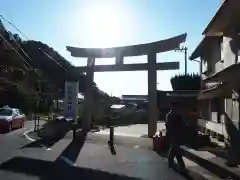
{"x":26,"y":135}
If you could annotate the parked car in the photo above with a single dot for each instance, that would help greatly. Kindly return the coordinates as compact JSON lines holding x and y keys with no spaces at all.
{"x":11,"y":118}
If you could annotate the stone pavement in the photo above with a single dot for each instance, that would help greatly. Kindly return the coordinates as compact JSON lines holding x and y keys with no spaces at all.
{"x":95,"y":161}
{"x":67,"y":159}
{"x":137,"y":130}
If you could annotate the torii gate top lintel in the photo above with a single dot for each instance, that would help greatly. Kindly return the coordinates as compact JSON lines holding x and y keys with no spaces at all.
{"x":133,"y":50}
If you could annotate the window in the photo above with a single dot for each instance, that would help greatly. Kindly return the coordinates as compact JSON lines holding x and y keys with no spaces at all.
{"x":20,"y":112}
{"x":16,"y":112}
{"x":238,"y":47}
{"x":221,"y":42}
{"x":221,"y":50}
{"x":69,"y":98}
{"x":204,"y":66}
{"x":6,"y":112}
{"x":69,"y":105}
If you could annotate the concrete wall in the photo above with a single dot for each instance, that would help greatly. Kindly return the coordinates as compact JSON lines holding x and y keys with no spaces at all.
{"x":230,"y":57}
{"x":228,"y":52}
{"x":213,"y":126}
{"x":215,"y":60}
{"x":220,"y":55}
{"x":232,"y":109}
{"x":204,"y":111}
{"x":212,"y":59}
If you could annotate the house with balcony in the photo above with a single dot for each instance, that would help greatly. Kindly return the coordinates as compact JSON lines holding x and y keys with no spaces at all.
{"x":219,"y":54}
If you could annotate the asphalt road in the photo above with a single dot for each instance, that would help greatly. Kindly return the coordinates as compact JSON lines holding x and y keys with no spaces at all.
{"x":21,"y":159}
{"x":13,"y":141}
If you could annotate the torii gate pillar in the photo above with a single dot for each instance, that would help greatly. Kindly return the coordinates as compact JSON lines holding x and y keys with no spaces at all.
{"x":88,"y":100}
{"x":152,"y":95}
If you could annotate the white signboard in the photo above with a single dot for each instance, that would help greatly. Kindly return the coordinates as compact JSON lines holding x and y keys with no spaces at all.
{"x":71,"y":99}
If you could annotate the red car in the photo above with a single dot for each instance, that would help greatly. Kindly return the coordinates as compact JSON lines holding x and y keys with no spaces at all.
{"x":11,"y":118}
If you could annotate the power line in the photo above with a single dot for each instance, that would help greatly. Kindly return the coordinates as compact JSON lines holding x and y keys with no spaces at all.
{"x":20,"y":56}
{"x":23,"y":34}
{"x":19,"y":46}
{"x":9,"y":44}
{"x":4,"y":39}
{"x":13,"y":25}
{"x":15,"y":39}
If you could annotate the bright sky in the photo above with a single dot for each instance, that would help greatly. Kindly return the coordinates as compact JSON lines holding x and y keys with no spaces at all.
{"x":106,"y":23}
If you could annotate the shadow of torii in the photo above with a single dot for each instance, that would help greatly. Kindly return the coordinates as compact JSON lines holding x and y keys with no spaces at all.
{"x":59,"y":169}
{"x":47,"y":170}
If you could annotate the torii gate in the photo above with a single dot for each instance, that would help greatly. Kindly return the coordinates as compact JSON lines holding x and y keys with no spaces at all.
{"x":149,"y":49}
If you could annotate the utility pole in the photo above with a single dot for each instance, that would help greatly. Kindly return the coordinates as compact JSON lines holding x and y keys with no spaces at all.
{"x":184,"y":49}
{"x":185,"y":57}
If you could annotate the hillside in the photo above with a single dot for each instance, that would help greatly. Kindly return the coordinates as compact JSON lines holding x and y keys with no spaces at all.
{"x":33,"y":74}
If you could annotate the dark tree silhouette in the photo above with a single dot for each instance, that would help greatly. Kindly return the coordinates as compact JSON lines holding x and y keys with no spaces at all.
{"x":35,"y":70}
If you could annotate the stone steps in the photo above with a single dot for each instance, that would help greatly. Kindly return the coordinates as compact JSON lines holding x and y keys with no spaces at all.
{"x":198,"y":172}
{"x":212,"y":163}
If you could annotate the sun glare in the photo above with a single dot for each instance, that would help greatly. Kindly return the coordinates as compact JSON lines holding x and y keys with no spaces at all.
{"x":103,"y":24}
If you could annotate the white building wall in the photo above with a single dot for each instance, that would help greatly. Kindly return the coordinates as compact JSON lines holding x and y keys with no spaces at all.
{"x":228,"y":52}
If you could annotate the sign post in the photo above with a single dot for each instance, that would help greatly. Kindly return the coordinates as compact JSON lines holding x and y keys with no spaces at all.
{"x":71,"y":100}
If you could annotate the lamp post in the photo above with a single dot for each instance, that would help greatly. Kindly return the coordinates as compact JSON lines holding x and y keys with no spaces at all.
{"x":184,"y":49}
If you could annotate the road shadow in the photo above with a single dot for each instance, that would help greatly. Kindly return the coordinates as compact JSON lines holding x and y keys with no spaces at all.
{"x":46,"y":170}
{"x":60,"y":129}
{"x":47,"y":141}
{"x":73,"y":149}
{"x":59,"y":169}
{"x":112,"y":148}
{"x":70,"y":153}
{"x":6,"y":131}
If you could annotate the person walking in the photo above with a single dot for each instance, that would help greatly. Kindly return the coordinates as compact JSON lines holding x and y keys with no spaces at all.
{"x":175,"y":132}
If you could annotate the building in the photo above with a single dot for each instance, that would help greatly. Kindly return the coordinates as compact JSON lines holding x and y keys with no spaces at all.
{"x":220,"y":70}
{"x":164,"y":100}
{"x":134,"y":99}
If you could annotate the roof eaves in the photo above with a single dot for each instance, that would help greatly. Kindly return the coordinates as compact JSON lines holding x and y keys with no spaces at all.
{"x":214,"y":17}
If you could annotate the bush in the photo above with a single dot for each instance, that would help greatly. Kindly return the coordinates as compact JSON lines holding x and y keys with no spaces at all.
{"x":15,"y":98}
{"x":101,"y":120}
{"x":186,"y":82}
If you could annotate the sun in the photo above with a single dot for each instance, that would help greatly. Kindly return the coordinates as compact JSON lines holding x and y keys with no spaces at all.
{"x":103,"y":24}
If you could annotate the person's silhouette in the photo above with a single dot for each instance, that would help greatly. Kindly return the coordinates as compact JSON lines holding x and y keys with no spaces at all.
{"x":175,"y":129}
